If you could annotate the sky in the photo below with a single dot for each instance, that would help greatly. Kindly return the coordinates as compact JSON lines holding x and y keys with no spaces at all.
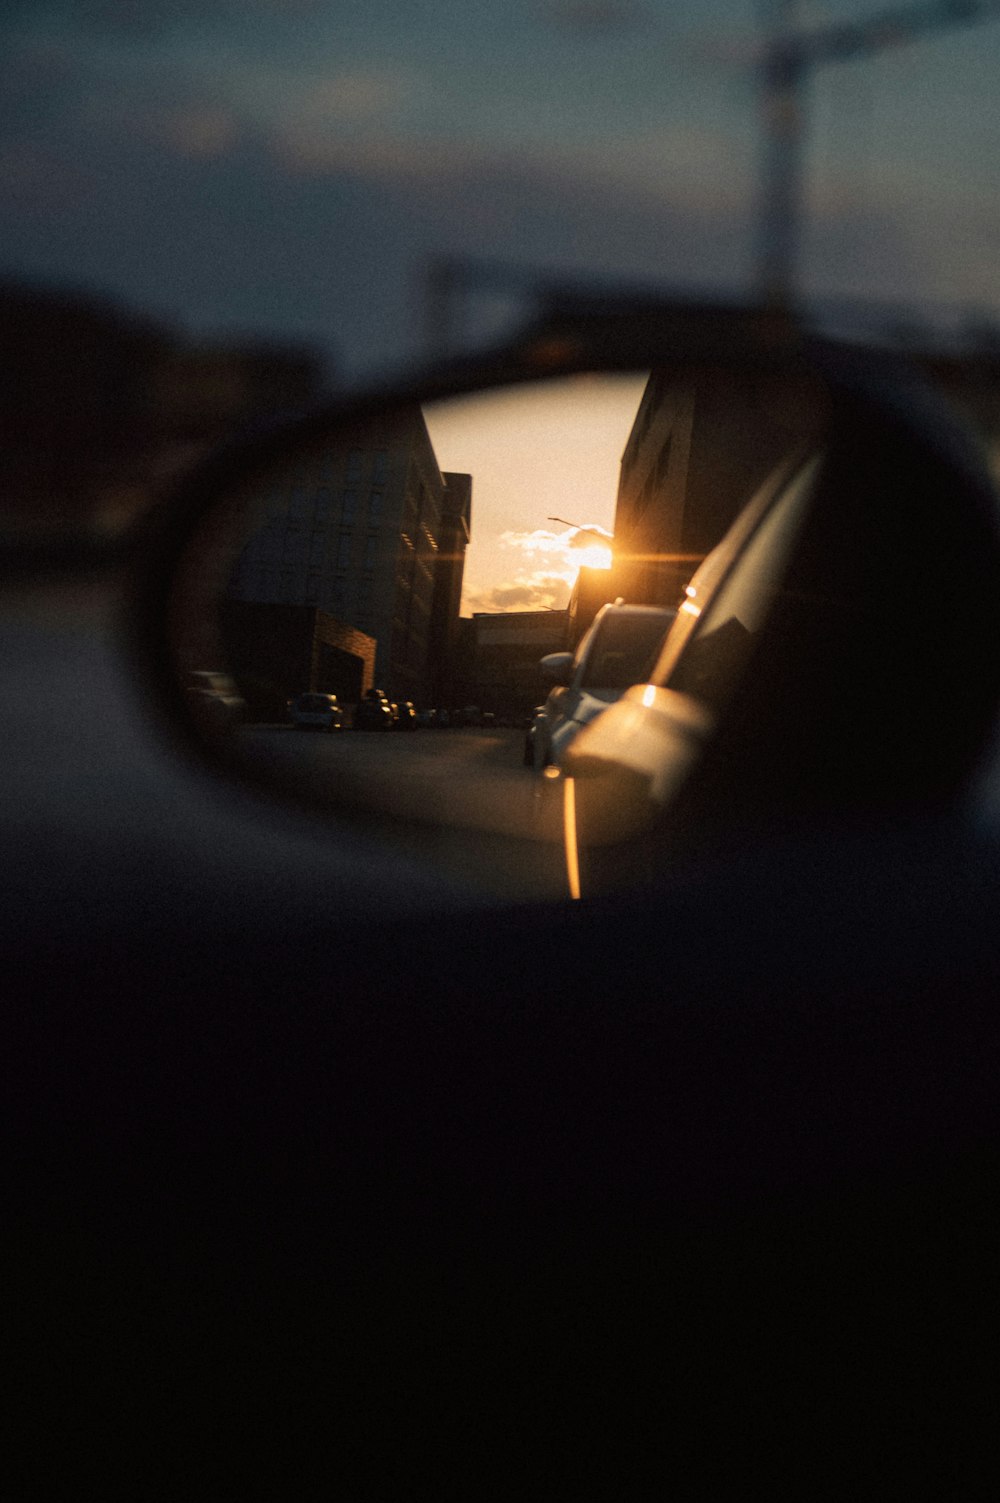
{"x":291,"y":169}
{"x":536,"y":453}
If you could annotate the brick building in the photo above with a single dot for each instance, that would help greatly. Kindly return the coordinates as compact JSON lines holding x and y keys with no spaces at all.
{"x":276,"y":651}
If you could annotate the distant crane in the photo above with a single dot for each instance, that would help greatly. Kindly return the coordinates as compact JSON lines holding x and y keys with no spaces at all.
{"x":786,"y":61}
{"x":788,"y":58}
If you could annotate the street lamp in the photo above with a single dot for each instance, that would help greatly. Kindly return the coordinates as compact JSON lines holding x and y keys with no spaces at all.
{"x":606,"y":537}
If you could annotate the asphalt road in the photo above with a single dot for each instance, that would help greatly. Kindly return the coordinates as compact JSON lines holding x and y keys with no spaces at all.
{"x":102,"y":807}
{"x":460,"y":801}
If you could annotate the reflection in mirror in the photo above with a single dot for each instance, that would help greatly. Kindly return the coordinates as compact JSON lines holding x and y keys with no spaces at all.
{"x":393,"y":589}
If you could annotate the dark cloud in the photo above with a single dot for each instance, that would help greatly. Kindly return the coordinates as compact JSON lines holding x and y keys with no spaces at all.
{"x":238,"y":239}
{"x":198,"y":216}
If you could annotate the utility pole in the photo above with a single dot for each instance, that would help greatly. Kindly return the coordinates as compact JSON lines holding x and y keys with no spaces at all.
{"x":788,"y":59}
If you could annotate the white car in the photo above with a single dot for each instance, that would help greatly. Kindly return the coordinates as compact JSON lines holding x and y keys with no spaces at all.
{"x":314,"y":711}
{"x":618,"y":650}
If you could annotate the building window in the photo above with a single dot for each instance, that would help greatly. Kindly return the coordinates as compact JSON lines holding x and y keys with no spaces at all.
{"x":380,"y":473}
{"x":355,"y":459}
{"x":323,"y":499}
{"x":312,"y":590}
{"x":375,"y":508}
{"x":344,"y":551}
{"x":370,"y":547}
{"x":349,"y":507}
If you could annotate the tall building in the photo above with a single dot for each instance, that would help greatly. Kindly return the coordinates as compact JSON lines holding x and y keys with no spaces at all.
{"x":701,"y":444}
{"x":453,"y":539}
{"x":369,"y":531}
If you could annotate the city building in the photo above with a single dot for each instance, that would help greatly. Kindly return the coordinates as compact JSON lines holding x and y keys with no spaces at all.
{"x":507,"y":649}
{"x":100,"y":407}
{"x":369,"y":531}
{"x":700,"y":446}
{"x":453,"y":539}
{"x":277,"y":651}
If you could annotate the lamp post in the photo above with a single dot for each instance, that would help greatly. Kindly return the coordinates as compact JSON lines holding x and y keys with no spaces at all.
{"x":606,"y":537}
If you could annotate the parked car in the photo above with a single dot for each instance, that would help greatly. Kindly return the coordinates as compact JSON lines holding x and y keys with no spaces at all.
{"x":316,"y":711}
{"x":373,"y":712}
{"x":618,"y":650}
{"x":406,"y":716}
{"x":214,"y":699}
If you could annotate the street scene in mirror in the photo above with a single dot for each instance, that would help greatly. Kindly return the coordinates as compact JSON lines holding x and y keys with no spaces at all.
{"x":338,"y":609}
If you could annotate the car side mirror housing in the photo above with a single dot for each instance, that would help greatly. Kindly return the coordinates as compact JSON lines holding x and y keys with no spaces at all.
{"x":557,"y":667}
{"x":325,"y":554}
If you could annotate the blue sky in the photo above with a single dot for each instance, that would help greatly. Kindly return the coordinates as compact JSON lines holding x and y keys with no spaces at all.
{"x":288,"y":167}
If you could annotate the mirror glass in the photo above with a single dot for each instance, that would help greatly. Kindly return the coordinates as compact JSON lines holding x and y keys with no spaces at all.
{"x":363,"y":625}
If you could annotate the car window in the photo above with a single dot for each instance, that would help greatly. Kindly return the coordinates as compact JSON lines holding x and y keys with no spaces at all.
{"x":624,"y":650}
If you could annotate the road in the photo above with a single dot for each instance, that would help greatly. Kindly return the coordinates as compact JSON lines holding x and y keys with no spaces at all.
{"x":460,"y":801}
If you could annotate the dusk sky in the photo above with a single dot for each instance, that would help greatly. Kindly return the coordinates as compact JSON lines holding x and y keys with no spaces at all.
{"x":287,"y":168}
{"x":536,"y":453}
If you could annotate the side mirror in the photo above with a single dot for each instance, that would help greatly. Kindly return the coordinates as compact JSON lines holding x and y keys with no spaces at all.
{"x":328,"y":555}
{"x":557,"y":667}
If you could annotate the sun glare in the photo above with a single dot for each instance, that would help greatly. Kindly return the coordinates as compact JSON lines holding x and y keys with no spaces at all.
{"x":594,"y":556}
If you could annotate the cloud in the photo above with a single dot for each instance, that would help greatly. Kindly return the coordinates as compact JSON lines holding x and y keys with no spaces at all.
{"x":546,"y":587}
{"x":534,"y":592}
{"x":309,"y":146}
{"x":357,"y":95}
{"x":665,"y":166}
{"x":201,"y":132}
{"x":183,"y":204}
{"x":541,"y":540}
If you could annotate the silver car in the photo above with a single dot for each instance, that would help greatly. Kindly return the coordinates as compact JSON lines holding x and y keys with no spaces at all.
{"x":320,"y":712}
{"x":618,"y":650}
